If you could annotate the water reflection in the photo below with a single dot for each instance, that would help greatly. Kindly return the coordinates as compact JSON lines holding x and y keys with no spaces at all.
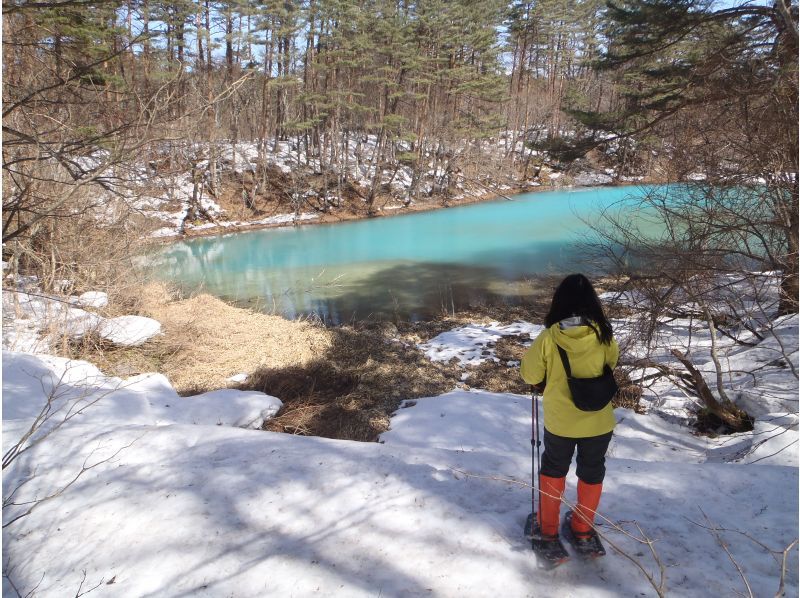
{"x":406,"y":291}
{"x":381,"y":290}
{"x":409,"y":267}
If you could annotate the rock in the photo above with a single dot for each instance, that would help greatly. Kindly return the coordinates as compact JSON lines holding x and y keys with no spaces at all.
{"x":587,"y":179}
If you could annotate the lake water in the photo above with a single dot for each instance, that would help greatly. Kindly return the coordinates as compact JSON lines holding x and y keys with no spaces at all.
{"x":408,"y":266}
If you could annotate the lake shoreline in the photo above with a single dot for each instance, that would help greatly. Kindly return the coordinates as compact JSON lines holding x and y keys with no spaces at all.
{"x":399,"y":210}
{"x":398,"y":268}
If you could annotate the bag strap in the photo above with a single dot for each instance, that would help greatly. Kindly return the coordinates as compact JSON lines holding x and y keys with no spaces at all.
{"x":565,"y":361}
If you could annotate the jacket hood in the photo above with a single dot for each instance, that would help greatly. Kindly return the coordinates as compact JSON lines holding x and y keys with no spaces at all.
{"x":577,"y":339}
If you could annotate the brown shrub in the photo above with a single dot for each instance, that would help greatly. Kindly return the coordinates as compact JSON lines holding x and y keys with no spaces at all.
{"x":353,"y":389}
{"x":629,"y":393}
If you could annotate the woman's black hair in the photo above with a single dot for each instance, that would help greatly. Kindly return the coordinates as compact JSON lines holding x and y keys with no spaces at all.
{"x":575,"y":296}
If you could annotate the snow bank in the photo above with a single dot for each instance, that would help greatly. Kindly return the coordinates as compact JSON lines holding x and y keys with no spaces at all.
{"x":588,"y":179}
{"x":226,"y":407}
{"x":91,"y":299}
{"x":79,"y":389}
{"x":34,"y":322}
{"x":223,"y":224}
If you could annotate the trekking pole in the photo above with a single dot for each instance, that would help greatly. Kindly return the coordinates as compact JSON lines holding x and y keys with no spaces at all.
{"x":536,"y":465}
{"x":535,"y":444}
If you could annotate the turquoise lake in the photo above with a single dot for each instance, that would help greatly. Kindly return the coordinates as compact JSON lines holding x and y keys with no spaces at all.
{"x":408,"y":266}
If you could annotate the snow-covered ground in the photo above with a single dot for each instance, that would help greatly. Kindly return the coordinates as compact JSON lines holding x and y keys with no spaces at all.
{"x":288,"y":158}
{"x":182,"y":502}
{"x":129,"y":489}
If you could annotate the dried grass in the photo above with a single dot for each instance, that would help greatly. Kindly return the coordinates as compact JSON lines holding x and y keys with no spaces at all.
{"x":206,"y":341}
{"x":500,"y":377}
{"x":352,"y":392}
{"x":629,"y":394}
{"x":342,"y":382}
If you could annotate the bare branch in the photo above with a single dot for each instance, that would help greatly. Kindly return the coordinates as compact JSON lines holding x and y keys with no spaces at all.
{"x":84,"y":468}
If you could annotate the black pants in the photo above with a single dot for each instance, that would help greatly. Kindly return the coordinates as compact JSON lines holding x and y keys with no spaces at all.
{"x":591,"y":461}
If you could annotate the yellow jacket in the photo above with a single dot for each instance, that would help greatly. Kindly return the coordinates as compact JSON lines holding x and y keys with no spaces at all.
{"x":586,"y":358}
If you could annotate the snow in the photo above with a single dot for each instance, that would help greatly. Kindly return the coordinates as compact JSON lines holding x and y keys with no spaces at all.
{"x":242,"y":409}
{"x":437,"y":509}
{"x":473,"y":344}
{"x":92,"y":299}
{"x":165,"y":195}
{"x":761,"y":379}
{"x":587,"y":179}
{"x":164,"y":232}
{"x":162,"y":192}
{"x":280,"y":219}
{"x":79,"y":387}
{"x":129,"y":331}
{"x":34,"y":322}
{"x":154,"y":494}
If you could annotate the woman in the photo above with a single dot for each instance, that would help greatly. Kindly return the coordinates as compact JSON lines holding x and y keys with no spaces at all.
{"x":577,"y":324}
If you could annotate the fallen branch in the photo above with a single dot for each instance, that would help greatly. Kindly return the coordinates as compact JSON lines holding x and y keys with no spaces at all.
{"x":726,"y":412}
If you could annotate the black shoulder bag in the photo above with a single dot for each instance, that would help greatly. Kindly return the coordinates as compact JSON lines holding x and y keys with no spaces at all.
{"x":590,"y":394}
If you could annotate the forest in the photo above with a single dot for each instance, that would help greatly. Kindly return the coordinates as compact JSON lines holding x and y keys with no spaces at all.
{"x":479,"y":91}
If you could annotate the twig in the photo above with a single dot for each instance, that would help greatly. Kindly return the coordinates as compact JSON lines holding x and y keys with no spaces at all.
{"x":60,"y":491}
{"x":60,"y":388}
{"x":772,"y":551}
{"x":7,"y":576}
{"x":773,"y":454}
{"x":493,"y":478}
{"x":78,"y":594}
{"x":718,"y":537}
{"x":786,"y":552}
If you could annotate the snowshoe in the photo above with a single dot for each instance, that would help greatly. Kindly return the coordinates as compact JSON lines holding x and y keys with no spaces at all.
{"x":588,"y":546}
{"x":549,"y":549}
